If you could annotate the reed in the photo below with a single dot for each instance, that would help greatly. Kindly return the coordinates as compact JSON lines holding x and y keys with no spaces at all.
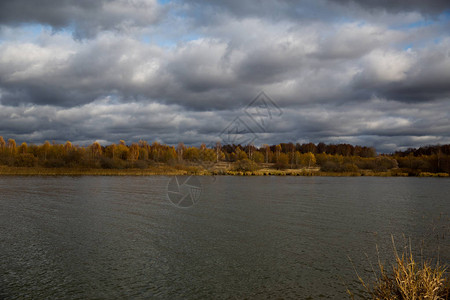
{"x":408,"y":279}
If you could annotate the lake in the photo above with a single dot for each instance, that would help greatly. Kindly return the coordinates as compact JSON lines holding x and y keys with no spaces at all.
{"x":245,"y":237}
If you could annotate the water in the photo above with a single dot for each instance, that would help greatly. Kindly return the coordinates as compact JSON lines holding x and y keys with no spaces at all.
{"x":247,"y":237}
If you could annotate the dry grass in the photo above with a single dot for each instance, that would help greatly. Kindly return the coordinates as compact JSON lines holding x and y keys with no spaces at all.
{"x":220,"y":169}
{"x":409,"y":280}
{"x":20,"y":171}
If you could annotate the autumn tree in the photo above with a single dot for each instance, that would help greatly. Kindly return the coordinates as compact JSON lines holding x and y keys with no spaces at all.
{"x":111,"y":151}
{"x":282,"y":161}
{"x":180,"y":150}
{"x":23,"y":148}
{"x":277,"y":152}
{"x":96,"y":150}
{"x":45,"y":148}
{"x":258,"y":157}
{"x":11,"y":146}
{"x":68,"y":147}
{"x":169,"y":154}
{"x":309,"y":159}
{"x":2,"y":143}
{"x":133,"y":152}
{"x":218,"y":149}
{"x":192,"y":154}
{"x":267,"y":152}
{"x":121,"y":150}
{"x":239,"y":154}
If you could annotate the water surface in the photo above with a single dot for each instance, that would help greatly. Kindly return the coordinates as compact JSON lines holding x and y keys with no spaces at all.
{"x":247,"y":237}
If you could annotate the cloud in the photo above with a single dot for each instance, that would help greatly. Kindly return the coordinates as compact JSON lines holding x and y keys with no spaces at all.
{"x":428,"y":7}
{"x":86,"y":17}
{"x":420,"y":75}
{"x":341,"y":71}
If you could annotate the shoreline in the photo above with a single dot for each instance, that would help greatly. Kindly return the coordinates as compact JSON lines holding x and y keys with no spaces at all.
{"x":171,"y":171}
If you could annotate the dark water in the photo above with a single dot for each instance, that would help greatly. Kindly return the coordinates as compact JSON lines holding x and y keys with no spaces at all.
{"x":247,"y":237}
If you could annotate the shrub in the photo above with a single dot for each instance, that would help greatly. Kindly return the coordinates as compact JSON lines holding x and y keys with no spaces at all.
{"x":283,"y":161}
{"x":25,"y":160}
{"x":109,"y":163}
{"x":54,"y":163}
{"x":245,"y":165}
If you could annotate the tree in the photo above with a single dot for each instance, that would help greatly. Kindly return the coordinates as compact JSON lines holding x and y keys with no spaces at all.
{"x":68,"y":146}
{"x":111,"y":151}
{"x":239,"y":154}
{"x":2,"y":143}
{"x":45,"y":149}
{"x":23,"y":148}
{"x":251,"y":149}
{"x":310,"y":159}
{"x":297,"y":157}
{"x":258,"y":157}
{"x":283,"y":161}
{"x":121,"y":150}
{"x":11,"y":146}
{"x":266,"y":152}
{"x":180,"y":151}
{"x":277,"y":152}
{"x":218,"y":149}
{"x":156,"y":151}
{"x":133,"y":152}
{"x":192,"y":154}
{"x":321,"y":148}
{"x":143,"y":153}
{"x":96,"y":150}
{"x":170,"y":154}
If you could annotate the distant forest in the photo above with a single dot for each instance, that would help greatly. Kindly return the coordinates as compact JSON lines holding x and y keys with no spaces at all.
{"x":142,"y":155}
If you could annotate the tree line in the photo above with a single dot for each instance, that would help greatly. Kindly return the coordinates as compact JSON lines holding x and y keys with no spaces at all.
{"x":141,"y":155}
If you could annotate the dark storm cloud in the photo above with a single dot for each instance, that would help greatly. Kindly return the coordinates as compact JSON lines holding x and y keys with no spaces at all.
{"x":341,"y":71}
{"x":85,"y":16}
{"x":309,"y":10}
{"x":427,"y":7}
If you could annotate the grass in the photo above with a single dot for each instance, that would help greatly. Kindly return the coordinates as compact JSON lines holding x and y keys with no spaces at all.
{"x":194,"y":170}
{"x":18,"y":171}
{"x":408,"y":279}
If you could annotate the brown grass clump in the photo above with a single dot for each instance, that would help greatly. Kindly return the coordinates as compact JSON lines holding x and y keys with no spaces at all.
{"x":409,"y":280}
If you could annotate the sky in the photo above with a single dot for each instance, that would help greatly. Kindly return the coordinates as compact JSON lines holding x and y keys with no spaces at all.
{"x":373,"y":73}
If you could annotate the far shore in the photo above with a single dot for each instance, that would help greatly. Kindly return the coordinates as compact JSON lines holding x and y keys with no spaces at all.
{"x":199,"y":171}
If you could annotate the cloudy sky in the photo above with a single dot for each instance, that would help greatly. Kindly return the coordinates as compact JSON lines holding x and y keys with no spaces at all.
{"x":373,"y":73}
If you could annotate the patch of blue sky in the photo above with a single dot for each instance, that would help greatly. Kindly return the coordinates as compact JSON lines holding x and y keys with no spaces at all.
{"x":442,"y":18}
{"x":408,"y":46}
{"x":30,"y":32}
{"x":414,"y":25}
{"x":169,"y":42}
{"x":26,"y":32}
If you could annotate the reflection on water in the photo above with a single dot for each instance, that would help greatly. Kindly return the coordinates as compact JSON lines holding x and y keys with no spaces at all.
{"x":247,"y":237}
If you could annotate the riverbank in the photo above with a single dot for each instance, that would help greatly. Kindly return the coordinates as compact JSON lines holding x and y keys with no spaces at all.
{"x":196,"y":170}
